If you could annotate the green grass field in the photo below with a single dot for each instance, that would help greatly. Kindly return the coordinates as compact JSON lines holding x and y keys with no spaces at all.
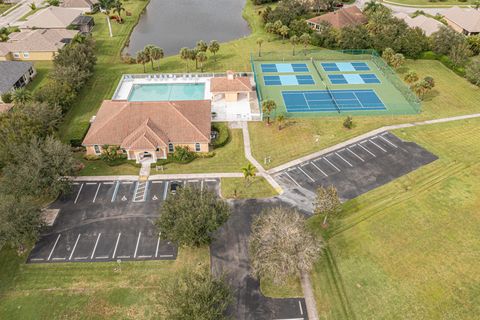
{"x":88,"y":290}
{"x":451,"y":96}
{"x":238,"y":188}
{"x":394,"y":101}
{"x":409,"y":249}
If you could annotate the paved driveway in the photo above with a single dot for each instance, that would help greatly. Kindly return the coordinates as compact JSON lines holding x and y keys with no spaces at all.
{"x":229,"y":256}
{"x":109,"y":220}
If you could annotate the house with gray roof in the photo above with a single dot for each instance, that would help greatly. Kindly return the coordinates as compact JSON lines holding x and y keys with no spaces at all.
{"x":463,"y":20}
{"x":15,"y":75}
{"x":428,"y":25}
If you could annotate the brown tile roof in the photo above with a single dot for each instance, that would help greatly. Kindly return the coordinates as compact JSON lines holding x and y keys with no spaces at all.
{"x":468,"y":19}
{"x":4,"y":107}
{"x":223,"y":84}
{"x":148,"y":125}
{"x":44,"y":40}
{"x":349,"y":16}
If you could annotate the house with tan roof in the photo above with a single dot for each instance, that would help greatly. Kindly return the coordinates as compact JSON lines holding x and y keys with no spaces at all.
{"x":345,"y":17}
{"x":428,"y":25}
{"x":34,"y":45}
{"x":463,"y":20}
{"x":147,"y":131}
{"x":51,"y":18}
{"x":84,"y":5}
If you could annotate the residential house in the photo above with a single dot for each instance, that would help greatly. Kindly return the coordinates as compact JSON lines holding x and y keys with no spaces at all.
{"x":147,"y":131}
{"x":87,"y":6}
{"x":84,"y":24}
{"x":345,"y":17}
{"x":14,"y":75}
{"x":32,"y":45}
{"x":51,"y":18}
{"x":5,"y":107}
{"x":463,"y":20}
{"x":428,"y":25}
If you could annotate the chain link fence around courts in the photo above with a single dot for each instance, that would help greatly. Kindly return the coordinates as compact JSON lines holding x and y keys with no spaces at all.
{"x":343,"y":55}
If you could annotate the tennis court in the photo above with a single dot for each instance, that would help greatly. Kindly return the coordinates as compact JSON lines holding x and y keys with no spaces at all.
{"x":284,"y":67}
{"x":331,"y":100}
{"x":362,"y":78}
{"x":288,"y":80}
{"x":344,"y":66}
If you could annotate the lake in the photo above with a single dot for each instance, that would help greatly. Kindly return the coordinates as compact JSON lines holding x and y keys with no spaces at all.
{"x":173,"y":24}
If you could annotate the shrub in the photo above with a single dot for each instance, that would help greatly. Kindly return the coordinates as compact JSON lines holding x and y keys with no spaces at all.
{"x":7,"y":97}
{"x":91,"y":157}
{"x":112,"y":156}
{"x":348,"y":122}
{"x":183,"y":155}
{"x":223,"y":135}
{"x":473,"y":72}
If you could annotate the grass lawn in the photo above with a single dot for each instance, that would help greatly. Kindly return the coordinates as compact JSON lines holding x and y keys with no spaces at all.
{"x":42,"y":68}
{"x":4,"y":7}
{"x":88,"y":290}
{"x":232,"y":55}
{"x":229,"y":158}
{"x":409,"y":249}
{"x":452,"y":95}
{"x":235,"y":188}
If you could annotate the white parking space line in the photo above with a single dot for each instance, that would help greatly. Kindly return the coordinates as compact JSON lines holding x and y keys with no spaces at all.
{"x":157,"y":181}
{"x":192,"y":181}
{"x":306,"y":174}
{"x":136,"y":247}
{"x":75,"y":183}
{"x":54,"y":245}
{"x":123,"y":257}
{"x":96,"y":193}
{"x":387,"y":141}
{"x":90,"y":183}
{"x":102,"y":257}
{"x":127,"y":182}
{"x":300,"y":306}
{"x":80,"y":258}
{"x":115,"y":191}
{"x":37,"y":259}
{"x":366,"y":149}
{"x":210,"y":180}
{"x":165,"y":191}
{"x":116,"y":245}
{"x":95,"y":247}
{"x":201,"y":186}
{"x":166,"y":255}
{"x":351,"y":165}
{"x":332,"y":164}
{"x":59,"y":259}
{"x":110,"y":183}
{"x":74,"y":247}
{"x":143,"y":257}
{"x":356,"y":155}
{"x":78,"y":194}
{"x":313,"y":164}
{"x":379,"y":147}
{"x":292,"y":178}
{"x":158,"y":244}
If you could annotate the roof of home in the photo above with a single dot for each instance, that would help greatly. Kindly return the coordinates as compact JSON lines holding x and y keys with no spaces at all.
{"x":51,"y":18}
{"x":348,"y":16}
{"x":428,"y":25}
{"x":82,"y":20}
{"x":4,"y":107}
{"x":78,"y":3}
{"x":224,"y":84}
{"x":468,"y":19}
{"x":37,"y":40}
{"x":148,"y":125}
{"x":10,"y":72}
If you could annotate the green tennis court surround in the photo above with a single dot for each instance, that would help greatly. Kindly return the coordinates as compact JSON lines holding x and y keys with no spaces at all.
{"x":329,"y":82}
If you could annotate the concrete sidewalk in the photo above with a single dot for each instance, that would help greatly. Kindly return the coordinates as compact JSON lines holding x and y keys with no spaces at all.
{"x":161,"y":177}
{"x":365,"y":136}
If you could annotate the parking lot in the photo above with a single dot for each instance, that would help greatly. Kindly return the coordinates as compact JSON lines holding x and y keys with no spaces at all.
{"x":358,"y":167}
{"x":110,"y":221}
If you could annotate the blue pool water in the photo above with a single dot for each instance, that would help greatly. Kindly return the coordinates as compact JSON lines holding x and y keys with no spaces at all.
{"x":167,"y":92}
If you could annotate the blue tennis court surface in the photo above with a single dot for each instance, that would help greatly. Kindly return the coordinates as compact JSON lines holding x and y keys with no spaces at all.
{"x":336,"y":100}
{"x":353,"y":78}
{"x":345,"y":66}
{"x":284,"y":67}
{"x":288,"y":80}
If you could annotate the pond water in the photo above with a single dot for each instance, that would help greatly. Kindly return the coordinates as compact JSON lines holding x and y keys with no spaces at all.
{"x":173,"y":24}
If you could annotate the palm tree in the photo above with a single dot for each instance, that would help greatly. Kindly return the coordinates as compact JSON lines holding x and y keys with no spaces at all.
{"x":148,"y":51}
{"x":21,"y":96}
{"x":201,"y":57}
{"x":280,"y":121}
{"x":248,"y":172}
{"x":192,"y":53}
{"x":185,"y":55}
{"x":202,"y":46}
{"x":213,"y":47}
{"x":305,"y":40}
{"x":156,"y":54}
{"x":267,"y":107}
{"x":118,"y":8}
{"x":284,"y":30}
{"x":411,"y":77}
{"x":142,"y":58}
{"x":294,"y":41}
{"x":372,"y":6}
{"x":259,"y":43}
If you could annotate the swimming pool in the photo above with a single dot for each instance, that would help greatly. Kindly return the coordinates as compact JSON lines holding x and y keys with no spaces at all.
{"x":167,"y":92}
